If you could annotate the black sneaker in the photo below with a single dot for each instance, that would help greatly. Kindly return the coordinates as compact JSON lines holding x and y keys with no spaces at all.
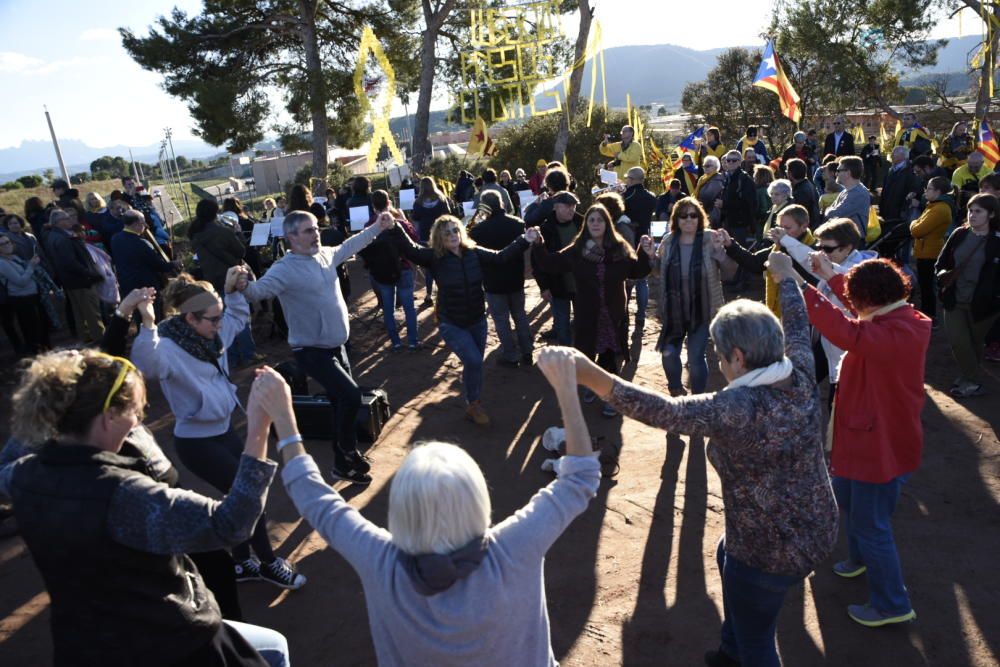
{"x":248,"y":570}
{"x":354,"y":475}
{"x":358,"y":460}
{"x":281,"y":574}
{"x":508,"y":363}
{"x":720,"y":658}
{"x":527,"y":360}
{"x":549,"y":335}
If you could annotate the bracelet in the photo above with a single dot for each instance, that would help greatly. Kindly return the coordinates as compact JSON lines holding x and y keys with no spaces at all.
{"x":119,"y":313}
{"x":290,"y":440}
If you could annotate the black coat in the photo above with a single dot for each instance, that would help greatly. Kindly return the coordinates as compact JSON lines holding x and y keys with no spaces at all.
{"x":461,"y":301}
{"x":804,"y":194}
{"x":74,"y":267}
{"x":424,"y":217}
{"x":137,"y":262}
{"x":496,"y":233}
{"x":846,"y":146}
{"x":739,"y":200}
{"x":554,"y":282}
{"x":986,"y":298}
{"x":640,"y":204}
{"x":897,"y":184}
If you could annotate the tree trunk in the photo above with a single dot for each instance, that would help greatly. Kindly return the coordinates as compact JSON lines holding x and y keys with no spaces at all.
{"x":987,"y":71}
{"x":575,"y":81}
{"x":433,"y":20}
{"x":317,"y":90}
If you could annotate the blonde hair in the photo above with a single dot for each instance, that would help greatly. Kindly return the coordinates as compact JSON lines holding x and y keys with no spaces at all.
{"x":61,"y":393}
{"x":95,"y":202}
{"x":437,"y":235}
{"x":182,"y":288}
{"x":438,"y":501}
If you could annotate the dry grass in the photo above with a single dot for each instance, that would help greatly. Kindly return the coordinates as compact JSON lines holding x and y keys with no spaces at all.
{"x":13,"y":201}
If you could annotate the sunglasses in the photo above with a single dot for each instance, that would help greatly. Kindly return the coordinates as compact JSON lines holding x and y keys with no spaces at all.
{"x":688,"y":216}
{"x":732,"y":159}
{"x":830,"y":249}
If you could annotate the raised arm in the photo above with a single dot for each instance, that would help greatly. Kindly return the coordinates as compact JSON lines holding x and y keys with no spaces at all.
{"x":751,"y":261}
{"x":150,"y":516}
{"x":351,"y":246}
{"x":512,"y":253}
{"x":551,"y":262}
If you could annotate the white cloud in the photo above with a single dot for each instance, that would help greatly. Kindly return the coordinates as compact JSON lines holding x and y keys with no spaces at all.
{"x":12,"y":62}
{"x":99,"y":35}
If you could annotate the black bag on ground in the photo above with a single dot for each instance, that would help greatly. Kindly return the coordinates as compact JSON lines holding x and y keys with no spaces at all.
{"x":314,"y":415}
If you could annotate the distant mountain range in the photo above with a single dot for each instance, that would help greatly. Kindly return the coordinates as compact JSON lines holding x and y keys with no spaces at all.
{"x":649,"y":74}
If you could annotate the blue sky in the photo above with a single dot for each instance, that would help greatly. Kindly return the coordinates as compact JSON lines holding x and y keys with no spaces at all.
{"x":66,"y":54}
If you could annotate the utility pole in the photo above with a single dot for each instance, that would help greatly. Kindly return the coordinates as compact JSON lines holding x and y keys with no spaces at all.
{"x":55,"y":144}
{"x":177,"y":171}
{"x":135,"y":169}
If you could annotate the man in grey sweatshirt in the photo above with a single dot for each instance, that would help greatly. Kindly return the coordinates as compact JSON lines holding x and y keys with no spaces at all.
{"x":854,"y":200}
{"x":305,"y":282}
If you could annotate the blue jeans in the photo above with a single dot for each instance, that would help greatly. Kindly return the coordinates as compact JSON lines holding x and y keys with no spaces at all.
{"x":405,"y":290}
{"x":243,"y":347}
{"x":641,"y":296}
{"x":271,"y":644}
{"x":428,"y":282}
{"x":561,"y":320}
{"x":869,"y":509}
{"x":751,"y":600}
{"x":697,"y":341}
{"x":469,"y":345}
{"x":503,"y":307}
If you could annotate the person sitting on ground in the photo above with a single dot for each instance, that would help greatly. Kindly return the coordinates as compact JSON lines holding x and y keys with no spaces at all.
{"x":109,"y":539}
{"x":766,"y":444}
{"x":443,"y":586}
{"x":877,"y":434}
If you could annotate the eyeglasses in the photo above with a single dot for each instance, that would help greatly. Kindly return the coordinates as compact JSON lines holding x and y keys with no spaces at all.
{"x":451,"y":231}
{"x":119,"y":380}
{"x":830,"y":249}
{"x":214,"y":320}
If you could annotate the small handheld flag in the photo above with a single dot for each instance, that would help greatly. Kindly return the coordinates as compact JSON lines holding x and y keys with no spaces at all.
{"x":988,"y":144}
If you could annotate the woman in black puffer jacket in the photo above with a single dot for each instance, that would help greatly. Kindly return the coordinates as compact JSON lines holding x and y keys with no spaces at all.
{"x":456,"y":263}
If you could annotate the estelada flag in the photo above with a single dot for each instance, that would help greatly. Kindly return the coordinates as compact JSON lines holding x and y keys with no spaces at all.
{"x":772,"y":77}
{"x":479,"y":141}
{"x":988,"y":144}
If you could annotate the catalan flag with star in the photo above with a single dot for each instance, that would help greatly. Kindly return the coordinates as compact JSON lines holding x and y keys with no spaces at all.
{"x":772,"y":77}
{"x":479,"y":141}
{"x":988,"y":144}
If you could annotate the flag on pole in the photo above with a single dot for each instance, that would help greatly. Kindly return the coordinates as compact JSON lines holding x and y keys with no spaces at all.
{"x":689,"y":141}
{"x":988,"y":144}
{"x":479,"y":141}
{"x":772,"y":77}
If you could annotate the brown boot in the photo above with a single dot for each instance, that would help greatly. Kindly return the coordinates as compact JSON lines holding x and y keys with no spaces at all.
{"x":477,"y":414}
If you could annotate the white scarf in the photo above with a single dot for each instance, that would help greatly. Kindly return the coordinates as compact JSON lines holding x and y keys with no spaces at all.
{"x":758,"y":377}
{"x":884,"y":309}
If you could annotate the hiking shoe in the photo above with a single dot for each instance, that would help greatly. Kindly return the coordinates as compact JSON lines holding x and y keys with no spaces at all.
{"x":589,"y":396}
{"x":608,"y":411}
{"x":477,"y":414}
{"x":281,"y":574}
{"x":720,"y":658}
{"x":870,"y":617}
{"x":397,"y":347}
{"x":848,"y":569}
{"x":527,"y":359}
{"x":248,"y":570}
{"x":353,"y":474}
{"x":678,"y":392}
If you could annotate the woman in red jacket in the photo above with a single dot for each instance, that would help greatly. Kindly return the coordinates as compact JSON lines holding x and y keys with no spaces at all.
{"x":877,"y":436}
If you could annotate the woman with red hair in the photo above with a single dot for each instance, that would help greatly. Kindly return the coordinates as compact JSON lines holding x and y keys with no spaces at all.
{"x":877,"y":435}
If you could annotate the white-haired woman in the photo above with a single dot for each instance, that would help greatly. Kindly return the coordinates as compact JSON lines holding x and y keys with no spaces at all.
{"x":779,"y":191}
{"x":709,"y":188}
{"x":767,"y":446}
{"x":443,"y":586}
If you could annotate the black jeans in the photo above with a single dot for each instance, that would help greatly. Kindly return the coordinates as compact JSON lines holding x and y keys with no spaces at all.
{"x":33,"y":321}
{"x":331,"y":368}
{"x":215,"y":459}
{"x":925,"y":281}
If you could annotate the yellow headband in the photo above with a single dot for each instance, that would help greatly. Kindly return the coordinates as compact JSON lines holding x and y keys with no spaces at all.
{"x":120,"y":380}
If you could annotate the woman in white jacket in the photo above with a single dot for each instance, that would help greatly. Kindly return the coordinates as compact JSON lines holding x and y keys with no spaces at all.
{"x":186,"y":353}
{"x":839,"y":238}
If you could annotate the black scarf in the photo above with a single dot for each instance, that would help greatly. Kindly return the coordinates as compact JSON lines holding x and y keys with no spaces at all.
{"x":435,"y":573}
{"x":677,"y":320}
{"x":179,"y":331}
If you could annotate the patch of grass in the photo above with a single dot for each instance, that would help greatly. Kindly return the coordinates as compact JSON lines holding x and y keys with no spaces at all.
{"x":13,"y":201}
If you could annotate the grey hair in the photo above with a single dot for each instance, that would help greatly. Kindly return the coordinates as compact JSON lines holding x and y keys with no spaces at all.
{"x":780,"y":185}
{"x":905,"y":150}
{"x":736,"y":153}
{"x":800,"y":136}
{"x":290,"y":223}
{"x":712,"y":160}
{"x":438,"y":501}
{"x":981,"y":156}
{"x":751,"y":327}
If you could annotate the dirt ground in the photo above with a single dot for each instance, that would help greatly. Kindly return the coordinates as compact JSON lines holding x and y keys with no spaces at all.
{"x":633,"y":581}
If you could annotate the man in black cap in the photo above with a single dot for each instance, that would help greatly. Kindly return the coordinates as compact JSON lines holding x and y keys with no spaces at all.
{"x":558,"y":231}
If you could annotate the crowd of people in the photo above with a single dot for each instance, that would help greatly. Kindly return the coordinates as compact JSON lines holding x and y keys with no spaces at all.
{"x":443,"y":585}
